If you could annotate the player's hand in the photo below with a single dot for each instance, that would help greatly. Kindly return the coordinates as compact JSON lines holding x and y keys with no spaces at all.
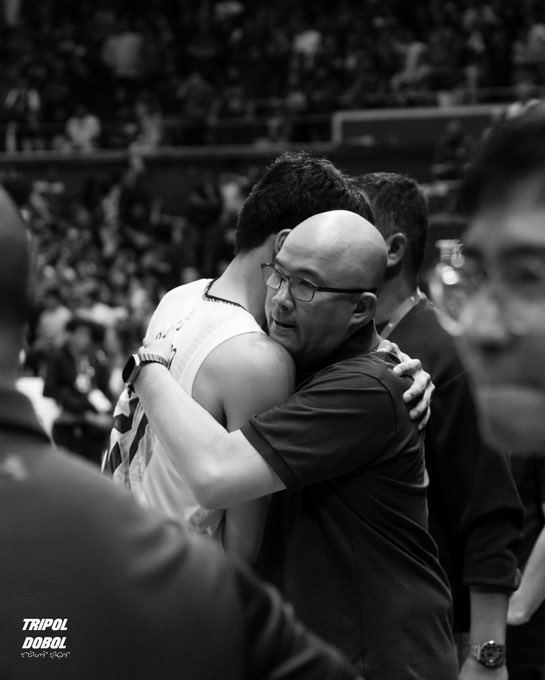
{"x":161,"y":344}
{"x":420,"y":391}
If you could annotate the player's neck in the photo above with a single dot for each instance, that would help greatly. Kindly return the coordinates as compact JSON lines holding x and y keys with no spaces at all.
{"x":393,"y":292}
{"x":241,"y":282}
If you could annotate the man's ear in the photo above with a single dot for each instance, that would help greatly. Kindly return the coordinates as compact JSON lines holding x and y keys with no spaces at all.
{"x":365,"y":309}
{"x":279,"y":240}
{"x":397,"y":247}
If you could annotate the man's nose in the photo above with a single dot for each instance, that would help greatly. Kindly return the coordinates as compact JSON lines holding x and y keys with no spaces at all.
{"x":282,"y":296}
{"x":485,"y":322}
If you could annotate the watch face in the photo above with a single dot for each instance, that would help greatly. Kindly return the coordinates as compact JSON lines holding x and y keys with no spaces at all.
{"x":492,"y":654}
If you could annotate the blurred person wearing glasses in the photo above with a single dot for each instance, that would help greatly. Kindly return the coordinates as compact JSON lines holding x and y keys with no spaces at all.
{"x":346,"y":539}
{"x":475,"y":512}
{"x":493,"y":299}
{"x":223,"y":358}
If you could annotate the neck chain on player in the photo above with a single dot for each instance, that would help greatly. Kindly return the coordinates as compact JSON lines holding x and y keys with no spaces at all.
{"x":214,"y":298}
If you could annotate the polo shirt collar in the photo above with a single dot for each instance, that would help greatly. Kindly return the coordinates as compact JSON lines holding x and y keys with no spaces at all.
{"x":16,"y":411}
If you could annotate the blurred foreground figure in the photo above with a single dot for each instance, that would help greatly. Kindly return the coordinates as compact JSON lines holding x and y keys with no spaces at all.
{"x":92,"y":585}
{"x":474,"y":509}
{"x":494,"y":299}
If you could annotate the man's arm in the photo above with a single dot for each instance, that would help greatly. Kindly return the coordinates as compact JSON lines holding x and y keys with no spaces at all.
{"x":230,"y":387}
{"x":488,"y":614}
{"x":531,"y":591}
{"x":222,"y":468}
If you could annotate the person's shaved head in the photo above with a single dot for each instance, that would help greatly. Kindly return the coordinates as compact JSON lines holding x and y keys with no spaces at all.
{"x":347,"y":248}
{"x":14,"y":265}
{"x":344,"y":257}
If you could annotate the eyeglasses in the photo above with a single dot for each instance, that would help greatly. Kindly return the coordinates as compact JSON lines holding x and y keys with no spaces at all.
{"x":300,"y":289}
{"x":518,"y":279}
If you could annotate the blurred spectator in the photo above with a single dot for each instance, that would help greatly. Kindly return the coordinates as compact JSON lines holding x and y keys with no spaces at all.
{"x":77,"y":378}
{"x":525,"y":91}
{"x":22,"y":110}
{"x":196,"y":97}
{"x":149,"y":120}
{"x":232,"y":117}
{"x":416,"y":69}
{"x":205,"y":207}
{"x":451,"y":152}
{"x":49,"y":333}
{"x":83,"y":129}
{"x":123,"y":52}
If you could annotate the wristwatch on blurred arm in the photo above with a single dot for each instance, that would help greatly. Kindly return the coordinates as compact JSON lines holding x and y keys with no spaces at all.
{"x":134,"y":366}
{"x":490,"y":654}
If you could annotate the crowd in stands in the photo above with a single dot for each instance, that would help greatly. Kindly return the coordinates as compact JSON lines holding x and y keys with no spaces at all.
{"x":115,"y":73}
{"x":108,"y":255}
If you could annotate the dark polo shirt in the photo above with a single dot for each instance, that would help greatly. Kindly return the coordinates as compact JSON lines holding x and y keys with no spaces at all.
{"x":347,"y":543}
{"x":136,"y":597}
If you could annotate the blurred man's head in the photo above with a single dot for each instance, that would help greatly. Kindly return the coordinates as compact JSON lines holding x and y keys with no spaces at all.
{"x":294,"y":187}
{"x":400,"y":213}
{"x":337,"y":250}
{"x":15,"y":299}
{"x":502,"y":317}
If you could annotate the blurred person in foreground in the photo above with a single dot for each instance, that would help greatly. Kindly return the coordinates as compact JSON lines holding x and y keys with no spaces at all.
{"x":92,"y":585}
{"x":346,"y":538}
{"x":494,"y":300}
{"x":475,"y":511}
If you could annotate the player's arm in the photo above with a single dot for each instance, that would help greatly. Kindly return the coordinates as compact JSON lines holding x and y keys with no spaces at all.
{"x":222,"y":468}
{"x":245,"y":375}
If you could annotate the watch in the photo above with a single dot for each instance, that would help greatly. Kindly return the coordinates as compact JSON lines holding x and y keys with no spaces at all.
{"x":490,"y":654}
{"x":134,"y":365}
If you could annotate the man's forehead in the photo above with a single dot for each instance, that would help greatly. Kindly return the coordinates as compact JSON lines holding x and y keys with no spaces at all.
{"x":516,"y":226}
{"x":296,"y":262}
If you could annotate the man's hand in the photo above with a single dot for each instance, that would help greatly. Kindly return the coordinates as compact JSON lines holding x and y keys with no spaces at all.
{"x":421,"y":389}
{"x":473,"y":670}
{"x":518,"y":612}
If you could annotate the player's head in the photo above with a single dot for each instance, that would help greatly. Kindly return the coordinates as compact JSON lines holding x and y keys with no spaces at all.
{"x":321,"y":286}
{"x":294,"y":187}
{"x":400,"y":213}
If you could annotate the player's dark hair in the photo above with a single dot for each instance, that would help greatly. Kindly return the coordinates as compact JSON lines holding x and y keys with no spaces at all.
{"x":294,"y":187}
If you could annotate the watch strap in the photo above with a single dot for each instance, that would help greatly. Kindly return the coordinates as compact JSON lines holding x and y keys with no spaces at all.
{"x":150,"y":358}
{"x":141,"y":359}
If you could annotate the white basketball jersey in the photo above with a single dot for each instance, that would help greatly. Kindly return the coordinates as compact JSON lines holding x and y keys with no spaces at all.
{"x":138,"y":460}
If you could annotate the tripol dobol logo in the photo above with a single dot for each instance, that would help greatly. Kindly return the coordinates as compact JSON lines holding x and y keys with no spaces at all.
{"x":51,"y":640}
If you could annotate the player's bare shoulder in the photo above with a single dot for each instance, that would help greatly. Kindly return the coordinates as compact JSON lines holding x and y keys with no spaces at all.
{"x":251,"y":355}
{"x":247,"y":374}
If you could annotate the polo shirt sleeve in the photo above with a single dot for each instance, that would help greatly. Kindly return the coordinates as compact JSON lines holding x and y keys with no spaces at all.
{"x":336,"y":423}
